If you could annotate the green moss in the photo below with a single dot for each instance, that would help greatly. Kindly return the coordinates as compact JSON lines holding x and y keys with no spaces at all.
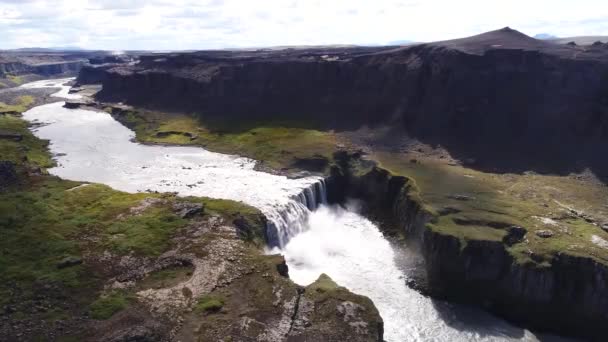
{"x":30,"y":149}
{"x":21,"y":104}
{"x":209,"y":304}
{"x":166,"y":277}
{"x":323,"y":284}
{"x":106,"y":306}
{"x":15,"y":79}
{"x":147,"y":233}
{"x":279,"y":146}
{"x":489,"y":203}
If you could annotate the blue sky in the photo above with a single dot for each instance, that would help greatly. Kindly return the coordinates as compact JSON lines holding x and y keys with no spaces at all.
{"x":209,"y":24}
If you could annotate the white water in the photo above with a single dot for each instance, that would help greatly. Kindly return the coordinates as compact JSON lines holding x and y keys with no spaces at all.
{"x":353,"y":252}
{"x":92,"y":146}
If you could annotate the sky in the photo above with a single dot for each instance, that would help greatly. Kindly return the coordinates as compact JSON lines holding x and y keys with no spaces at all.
{"x":214,"y":24}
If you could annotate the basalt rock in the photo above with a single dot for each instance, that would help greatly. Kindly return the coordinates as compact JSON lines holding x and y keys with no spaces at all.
{"x":10,"y":136}
{"x":568,"y":295}
{"x":187,"y":209}
{"x":8,"y":174}
{"x":507,"y":100}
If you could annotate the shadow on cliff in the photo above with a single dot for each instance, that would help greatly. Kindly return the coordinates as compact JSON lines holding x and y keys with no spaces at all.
{"x":475,"y":322}
{"x":511,"y":155}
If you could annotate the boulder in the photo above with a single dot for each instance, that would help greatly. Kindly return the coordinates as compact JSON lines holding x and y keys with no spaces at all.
{"x":187,"y":209}
{"x":514,"y":235}
{"x":459,"y":197}
{"x":282,"y":268}
{"x":69,"y":262}
{"x":73,"y":104}
{"x":544,"y":233}
{"x":10,"y":136}
{"x":8,"y":174}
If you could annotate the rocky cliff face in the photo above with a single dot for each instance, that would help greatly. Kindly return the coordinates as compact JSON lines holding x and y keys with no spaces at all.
{"x":502,"y":90}
{"x":568,"y":296}
{"x":48,"y":69}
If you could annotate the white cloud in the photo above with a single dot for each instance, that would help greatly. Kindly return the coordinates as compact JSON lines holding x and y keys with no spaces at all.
{"x":188,"y":24}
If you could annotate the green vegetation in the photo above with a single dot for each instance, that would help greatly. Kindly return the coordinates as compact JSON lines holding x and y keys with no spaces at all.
{"x":21,"y":104}
{"x":15,"y":79}
{"x":106,"y":306}
{"x":30,"y":149}
{"x":166,"y":277}
{"x":277,"y":145}
{"x":52,"y":229}
{"x":323,"y":284}
{"x":473,"y":205}
{"x":209,"y":303}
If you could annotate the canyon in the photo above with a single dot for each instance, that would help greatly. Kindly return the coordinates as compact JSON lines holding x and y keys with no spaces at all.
{"x":469,"y":171}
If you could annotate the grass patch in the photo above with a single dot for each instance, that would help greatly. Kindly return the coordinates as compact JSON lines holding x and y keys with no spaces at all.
{"x":278,"y":146}
{"x":166,"y":277}
{"x":30,"y":149}
{"x":323,"y":284}
{"x":209,"y":304}
{"x":15,"y":79}
{"x":488,"y":199}
{"x":21,"y":104}
{"x":106,"y":306}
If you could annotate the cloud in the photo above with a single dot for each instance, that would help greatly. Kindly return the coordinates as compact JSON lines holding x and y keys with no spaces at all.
{"x":190,"y":24}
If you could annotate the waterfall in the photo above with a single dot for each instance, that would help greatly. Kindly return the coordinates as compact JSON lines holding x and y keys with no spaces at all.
{"x":290,"y":219}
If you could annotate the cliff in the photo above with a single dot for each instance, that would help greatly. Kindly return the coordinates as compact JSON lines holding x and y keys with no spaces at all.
{"x":566,"y":294}
{"x":502,"y":98}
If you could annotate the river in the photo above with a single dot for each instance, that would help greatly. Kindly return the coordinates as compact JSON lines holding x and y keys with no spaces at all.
{"x":314,"y":237}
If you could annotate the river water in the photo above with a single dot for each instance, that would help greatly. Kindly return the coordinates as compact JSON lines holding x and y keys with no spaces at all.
{"x":314,"y":237}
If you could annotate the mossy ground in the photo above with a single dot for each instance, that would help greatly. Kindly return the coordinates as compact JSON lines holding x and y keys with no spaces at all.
{"x":474,"y":205}
{"x":45,"y":220}
{"x":30,"y":150}
{"x":21,"y":104}
{"x":107,"y":305}
{"x":278,"y":145}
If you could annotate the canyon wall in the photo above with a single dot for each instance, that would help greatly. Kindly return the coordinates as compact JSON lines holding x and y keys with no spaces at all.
{"x":569,"y":296}
{"x":518,"y":103}
{"x":47,"y":69}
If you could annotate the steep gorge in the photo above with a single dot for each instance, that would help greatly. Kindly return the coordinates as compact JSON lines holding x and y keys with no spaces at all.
{"x":504,"y":100}
{"x":568,"y":296}
{"x":514,"y":96}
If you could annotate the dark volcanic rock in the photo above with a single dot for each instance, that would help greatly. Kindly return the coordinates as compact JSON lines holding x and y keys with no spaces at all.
{"x":507,"y":100}
{"x":69,"y":262}
{"x":8,"y":174}
{"x":514,"y":235}
{"x":569,"y":296}
{"x":187,"y":209}
{"x":73,"y":104}
{"x":282,"y":268}
{"x":10,"y":136}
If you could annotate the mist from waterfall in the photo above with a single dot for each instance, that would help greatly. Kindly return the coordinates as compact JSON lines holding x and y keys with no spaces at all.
{"x":351,"y":249}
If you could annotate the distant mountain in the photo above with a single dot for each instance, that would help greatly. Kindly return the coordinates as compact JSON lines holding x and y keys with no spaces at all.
{"x":545,"y":36}
{"x":49,"y":49}
{"x":580,"y":40}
